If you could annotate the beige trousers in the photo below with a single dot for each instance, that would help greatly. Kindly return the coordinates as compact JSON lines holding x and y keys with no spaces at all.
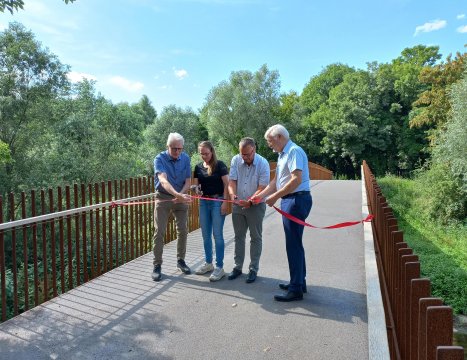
{"x":162,"y":211}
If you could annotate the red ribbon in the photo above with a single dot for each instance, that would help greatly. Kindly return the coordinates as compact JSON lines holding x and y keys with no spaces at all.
{"x":335,"y":226}
{"x":283,"y":213}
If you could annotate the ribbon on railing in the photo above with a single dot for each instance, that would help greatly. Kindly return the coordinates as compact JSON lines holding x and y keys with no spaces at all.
{"x":287,"y":215}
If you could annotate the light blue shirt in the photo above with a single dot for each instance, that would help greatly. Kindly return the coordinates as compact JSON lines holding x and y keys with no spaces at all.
{"x":249,"y":177}
{"x":290,"y":159}
{"x":177,"y":170}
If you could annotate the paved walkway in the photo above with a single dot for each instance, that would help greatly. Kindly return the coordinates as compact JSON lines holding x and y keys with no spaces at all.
{"x":125,"y":315}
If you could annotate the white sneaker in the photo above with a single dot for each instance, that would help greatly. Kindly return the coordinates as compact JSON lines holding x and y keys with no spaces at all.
{"x":217,"y":274}
{"x":207,"y":267}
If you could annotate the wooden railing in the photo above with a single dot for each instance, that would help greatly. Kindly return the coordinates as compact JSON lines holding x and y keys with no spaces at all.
{"x":419,"y":326}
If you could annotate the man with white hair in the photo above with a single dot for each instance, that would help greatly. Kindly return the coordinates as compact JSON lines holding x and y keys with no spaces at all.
{"x":291,"y":183}
{"x":172,"y":179}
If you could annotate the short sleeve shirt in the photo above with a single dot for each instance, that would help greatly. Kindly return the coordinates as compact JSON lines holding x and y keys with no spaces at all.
{"x":211,"y":184}
{"x":249,"y":177}
{"x":177,"y":170}
{"x":290,"y":159}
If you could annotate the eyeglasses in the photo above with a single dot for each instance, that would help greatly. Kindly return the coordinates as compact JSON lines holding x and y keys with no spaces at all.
{"x":175,"y":148}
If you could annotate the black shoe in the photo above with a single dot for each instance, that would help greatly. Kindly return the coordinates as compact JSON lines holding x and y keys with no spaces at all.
{"x":156,"y":273}
{"x":251,"y":276}
{"x":234,"y":274}
{"x":183,"y":267}
{"x":286,"y":287}
{"x":290,"y":296}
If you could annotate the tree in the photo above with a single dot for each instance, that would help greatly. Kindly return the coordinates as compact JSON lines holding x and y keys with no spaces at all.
{"x":314,"y":112}
{"x":246,"y":105}
{"x":97,"y":140}
{"x":445,"y":182}
{"x":175,"y":119}
{"x":29,"y":77}
{"x":12,"y":5}
{"x":432,"y":108}
{"x":355,"y":127}
{"x":145,"y":108}
{"x":316,"y":92}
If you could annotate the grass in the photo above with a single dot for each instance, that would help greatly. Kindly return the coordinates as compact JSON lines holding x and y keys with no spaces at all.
{"x":442,"y":249}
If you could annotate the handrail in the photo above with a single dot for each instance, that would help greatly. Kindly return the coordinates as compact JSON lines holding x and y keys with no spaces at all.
{"x":418,"y":325}
{"x":59,"y":214}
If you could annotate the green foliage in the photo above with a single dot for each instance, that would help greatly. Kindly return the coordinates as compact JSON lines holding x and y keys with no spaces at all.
{"x":175,"y":119}
{"x":445,"y":181}
{"x":316,"y":92}
{"x":12,"y":5}
{"x":452,"y":146}
{"x":354,"y":126}
{"x":94,"y":130}
{"x":5,"y":156}
{"x":433,"y":107}
{"x":145,"y":108}
{"x":30,"y":76}
{"x":350,"y":115}
{"x":444,"y":199}
{"x":246,"y":105}
{"x":442,"y":249}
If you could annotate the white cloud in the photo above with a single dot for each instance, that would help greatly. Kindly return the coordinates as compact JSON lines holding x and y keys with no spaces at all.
{"x":430,"y":26}
{"x":126,"y":84}
{"x":75,"y":76}
{"x":462,"y":29}
{"x":460,"y":16}
{"x":180,"y":74}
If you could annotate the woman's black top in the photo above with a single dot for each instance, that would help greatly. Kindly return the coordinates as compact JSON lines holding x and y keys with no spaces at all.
{"x":211,"y":184}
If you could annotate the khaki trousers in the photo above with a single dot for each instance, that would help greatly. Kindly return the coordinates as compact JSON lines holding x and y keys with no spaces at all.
{"x":162,"y":211}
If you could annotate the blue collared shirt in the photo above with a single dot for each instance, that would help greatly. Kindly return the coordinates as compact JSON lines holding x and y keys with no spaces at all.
{"x":290,"y":159}
{"x":249,"y":177}
{"x":177,"y":170}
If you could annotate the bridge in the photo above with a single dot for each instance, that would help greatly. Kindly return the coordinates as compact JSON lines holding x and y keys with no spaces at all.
{"x":124,"y":314}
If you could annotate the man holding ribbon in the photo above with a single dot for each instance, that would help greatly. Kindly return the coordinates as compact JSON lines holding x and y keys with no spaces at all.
{"x":172,"y":179}
{"x":292,"y":184}
{"x":249,"y":174}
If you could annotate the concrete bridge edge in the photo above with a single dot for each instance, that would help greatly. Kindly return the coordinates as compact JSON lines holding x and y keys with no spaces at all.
{"x":378,"y":347}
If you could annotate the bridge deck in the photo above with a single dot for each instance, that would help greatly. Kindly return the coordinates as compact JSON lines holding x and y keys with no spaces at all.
{"x":124,"y":314}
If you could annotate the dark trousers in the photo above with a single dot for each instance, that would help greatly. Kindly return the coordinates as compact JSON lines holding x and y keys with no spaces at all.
{"x":298,"y":206}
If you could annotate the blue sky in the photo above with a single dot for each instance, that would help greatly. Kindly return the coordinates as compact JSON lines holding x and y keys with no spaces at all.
{"x":175,"y":51}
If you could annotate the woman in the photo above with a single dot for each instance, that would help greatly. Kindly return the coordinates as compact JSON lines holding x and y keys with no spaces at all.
{"x":211,"y":176}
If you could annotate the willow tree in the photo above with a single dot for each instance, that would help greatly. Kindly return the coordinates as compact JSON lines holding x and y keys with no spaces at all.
{"x":245,"y":105}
